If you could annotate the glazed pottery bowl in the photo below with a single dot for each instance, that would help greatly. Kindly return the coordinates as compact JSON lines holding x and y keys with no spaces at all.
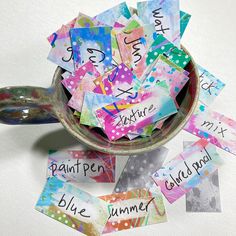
{"x":31,"y":105}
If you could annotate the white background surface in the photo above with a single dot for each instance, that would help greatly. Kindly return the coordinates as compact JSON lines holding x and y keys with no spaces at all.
{"x":24,"y":25}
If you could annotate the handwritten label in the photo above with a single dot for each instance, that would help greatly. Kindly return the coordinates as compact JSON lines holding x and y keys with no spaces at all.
{"x":81,"y":166}
{"x":134,"y":44}
{"x":61,"y":54}
{"x":164,"y":15}
{"x":94,"y":45}
{"x":133,"y":209}
{"x":187,"y":170}
{"x":210,"y":86}
{"x":71,"y":81}
{"x":132,"y":113}
{"x":205,"y":197}
{"x":138,"y":170}
{"x":215,"y":127}
{"x":73,"y":207}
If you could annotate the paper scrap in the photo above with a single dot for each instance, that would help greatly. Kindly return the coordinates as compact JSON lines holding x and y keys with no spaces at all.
{"x":210,"y":86}
{"x":204,"y":197}
{"x":129,"y":114}
{"x":161,"y":46}
{"x":119,"y":82}
{"x":136,"y":208}
{"x":85,"y":85}
{"x":82,"y":166}
{"x":92,"y":102}
{"x":71,"y":81}
{"x":131,"y":24}
{"x":187,"y":170}
{"x":84,"y":21}
{"x":73,"y":207}
{"x":110,"y":16}
{"x":184,"y":21}
{"x":215,"y":127}
{"x":61,"y":33}
{"x":92,"y":44}
{"x":165,"y":70}
{"x":164,"y":14}
{"x":134,"y":44}
{"x":61,"y":54}
{"x":138,"y":170}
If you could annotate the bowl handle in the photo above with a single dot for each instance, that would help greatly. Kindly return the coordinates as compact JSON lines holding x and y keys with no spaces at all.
{"x":26,"y":105}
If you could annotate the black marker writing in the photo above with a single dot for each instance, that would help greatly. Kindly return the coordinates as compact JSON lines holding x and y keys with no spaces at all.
{"x":135,"y":46}
{"x":135,"y":115}
{"x":123,"y":91}
{"x":211,"y":126}
{"x":158,"y":23}
{"x":69,"y":49}
{"x":128,"y":210}
{"x":71,"y":206}
{"x":76,"y":168}
{"x":176,"y":181}
{"x":95,"y":59}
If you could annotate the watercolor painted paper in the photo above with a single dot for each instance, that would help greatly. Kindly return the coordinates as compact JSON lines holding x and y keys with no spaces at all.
{"x":161,"y":46}
{"x":210,"y":86}
{"x":71,"y":81}
{"x":92,"y":44}
{"x":132,"y":113}
{"x":84,"y":21}
{"x":164,"y":14}
{"x":138,"y":170}
{"x":136,"y":208}
{"x":204,"y":197}
{"x":61,"y":54}
{"x":119,"y":82}
{"x":215,"y":127}
{"x":134,"y":44}
{"x":92,"y":102}
{"x":184,"y":21}
{"x":187,"y":170}
{"x":110,"y":16}
{"x":73,"y":207}
{"x":61,"y":33}
{"x":85,"y":85}
{"x":132,"y":23}
{"x":165,"y":70}
{"x":82,"y":166}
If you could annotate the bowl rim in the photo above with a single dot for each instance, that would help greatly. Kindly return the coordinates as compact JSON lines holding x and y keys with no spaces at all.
{"x":92,"y":145}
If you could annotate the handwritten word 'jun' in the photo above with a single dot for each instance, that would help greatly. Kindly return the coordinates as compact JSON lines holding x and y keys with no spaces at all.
{"x":135,"y":48}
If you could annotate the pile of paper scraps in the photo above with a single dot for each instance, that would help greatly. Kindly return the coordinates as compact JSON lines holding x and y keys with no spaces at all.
{"x":124,"y":69}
